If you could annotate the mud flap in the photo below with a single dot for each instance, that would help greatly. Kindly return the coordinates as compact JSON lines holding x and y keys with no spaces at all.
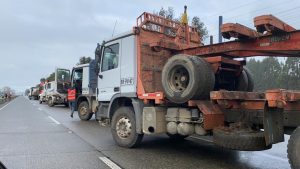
{"x":273,"y":125}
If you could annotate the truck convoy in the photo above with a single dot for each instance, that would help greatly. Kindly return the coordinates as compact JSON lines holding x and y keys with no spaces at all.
{"x":160,"y":78}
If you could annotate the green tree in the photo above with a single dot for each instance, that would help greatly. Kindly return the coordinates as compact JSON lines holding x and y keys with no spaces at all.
{"x":84,"y":60}
{"x":42,"y":80}
{"x":51,"y":77}
{"x":290,"y":77}
{"x":169,"y":13}
{"x":202,"y":30}
{"x":266,"y":73}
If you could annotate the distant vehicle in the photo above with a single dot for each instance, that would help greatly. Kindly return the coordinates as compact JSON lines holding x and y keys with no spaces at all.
{"x":33,"y":93}
{"x":56,"y":91}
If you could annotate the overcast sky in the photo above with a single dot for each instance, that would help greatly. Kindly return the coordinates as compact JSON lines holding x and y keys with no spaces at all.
{"x":38,"y":35}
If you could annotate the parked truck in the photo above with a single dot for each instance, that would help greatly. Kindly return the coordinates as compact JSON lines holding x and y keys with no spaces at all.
{"x":84,"y":79}
{"x":33,"y":93}
{"x":57,"y":90}
{"x":160,"y":78}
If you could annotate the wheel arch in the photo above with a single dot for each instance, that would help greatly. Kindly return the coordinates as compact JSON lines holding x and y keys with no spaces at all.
{"x":81,"y":99}
{"x":128,"y":100}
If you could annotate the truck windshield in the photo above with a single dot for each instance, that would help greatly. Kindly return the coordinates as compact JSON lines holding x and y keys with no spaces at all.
{"x":63,"y":80}
{"x":110,"y":58}
{"x":63,"y":75}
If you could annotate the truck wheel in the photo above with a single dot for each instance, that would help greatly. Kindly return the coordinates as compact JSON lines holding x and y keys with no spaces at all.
{"x":41,"y":101}
{"x":187,"y":77}
{"x":50,"y":102}
{"x":250,"y":79}
{"x":245,"y":81}
{"x":84,"y":111}
{"x":294,"y":149}
{"x":239,"y":139}
{"x":123,"y":128}
{"x":242,"y":82}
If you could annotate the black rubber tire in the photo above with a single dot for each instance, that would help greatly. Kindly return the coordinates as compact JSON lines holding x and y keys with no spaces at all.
{"x":88,"y":115}
{"x":242,"y":82}
{"x":40,"y":101}
{"x":134,"y":139}
{"x":176,"y":137}
{"x":50,"y":102}
{"x":250,"y":79}
{"x":294,"y":149}
{"x":201,"y":78}
{"x":238,"y":140}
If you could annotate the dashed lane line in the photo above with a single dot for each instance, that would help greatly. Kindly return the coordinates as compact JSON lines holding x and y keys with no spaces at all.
{"x":55,"y":121}
{"x":109,"y":163}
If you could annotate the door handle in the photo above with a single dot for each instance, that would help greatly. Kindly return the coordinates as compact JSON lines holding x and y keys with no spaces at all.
{"x":101,"y":76}
{"x":116,"y":89}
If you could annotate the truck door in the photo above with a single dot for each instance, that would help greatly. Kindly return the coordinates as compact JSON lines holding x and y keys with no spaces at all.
{"x":109,"y":75}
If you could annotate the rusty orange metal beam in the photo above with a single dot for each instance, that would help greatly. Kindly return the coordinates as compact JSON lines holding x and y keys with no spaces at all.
{"x":271,"y":24}
{"x":235,"y":30}
{"x":212,"y":114}
{"x":287,"y":44}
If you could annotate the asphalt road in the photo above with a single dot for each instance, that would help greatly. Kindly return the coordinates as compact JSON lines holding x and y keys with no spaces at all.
{"x":33,"y":135}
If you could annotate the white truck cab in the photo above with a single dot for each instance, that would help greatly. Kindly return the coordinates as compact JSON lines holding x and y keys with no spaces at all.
{"x":57,"y":90}
{"x":84,"y":79}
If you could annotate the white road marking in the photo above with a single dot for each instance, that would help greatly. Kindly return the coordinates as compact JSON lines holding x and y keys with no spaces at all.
{"x":109,"y":163}
{"x":6,"y":105}
{"x":274,"y":157}
{"x":55,"y":121}
{"x":40,"y":109}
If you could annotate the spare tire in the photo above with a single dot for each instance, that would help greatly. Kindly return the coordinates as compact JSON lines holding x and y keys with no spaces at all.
{"x":245,"y":81}
{"x":242,"y":82}
{"x":243,"y":140}
{"x":186,"y":77}
{"x":294,"y":149}
{"x":250,"y":79}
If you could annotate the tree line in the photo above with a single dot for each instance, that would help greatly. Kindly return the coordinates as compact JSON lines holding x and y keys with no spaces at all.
{"x":271,"y":73}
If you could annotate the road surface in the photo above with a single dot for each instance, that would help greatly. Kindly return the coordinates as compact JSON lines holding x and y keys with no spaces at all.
{"x":33,"y":135}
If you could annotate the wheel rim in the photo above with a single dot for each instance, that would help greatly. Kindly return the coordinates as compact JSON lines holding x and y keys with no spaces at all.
{"x":123,"y":127}
{"x":83,"y":111}
{"x":179,"y":78}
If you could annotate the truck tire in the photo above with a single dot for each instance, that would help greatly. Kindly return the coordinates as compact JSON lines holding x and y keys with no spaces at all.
{"x":40,"y":101}
{"x":242,"y":82}
{"x":240,"y":140}
{"x":123,"y":128}
{"x":186,"y":77}
{"x":250,"y":79}
{"x":84,"y":111}
{"x":50,"y":102}
{"x":294,"y":149}
{"x":245,"y":81}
